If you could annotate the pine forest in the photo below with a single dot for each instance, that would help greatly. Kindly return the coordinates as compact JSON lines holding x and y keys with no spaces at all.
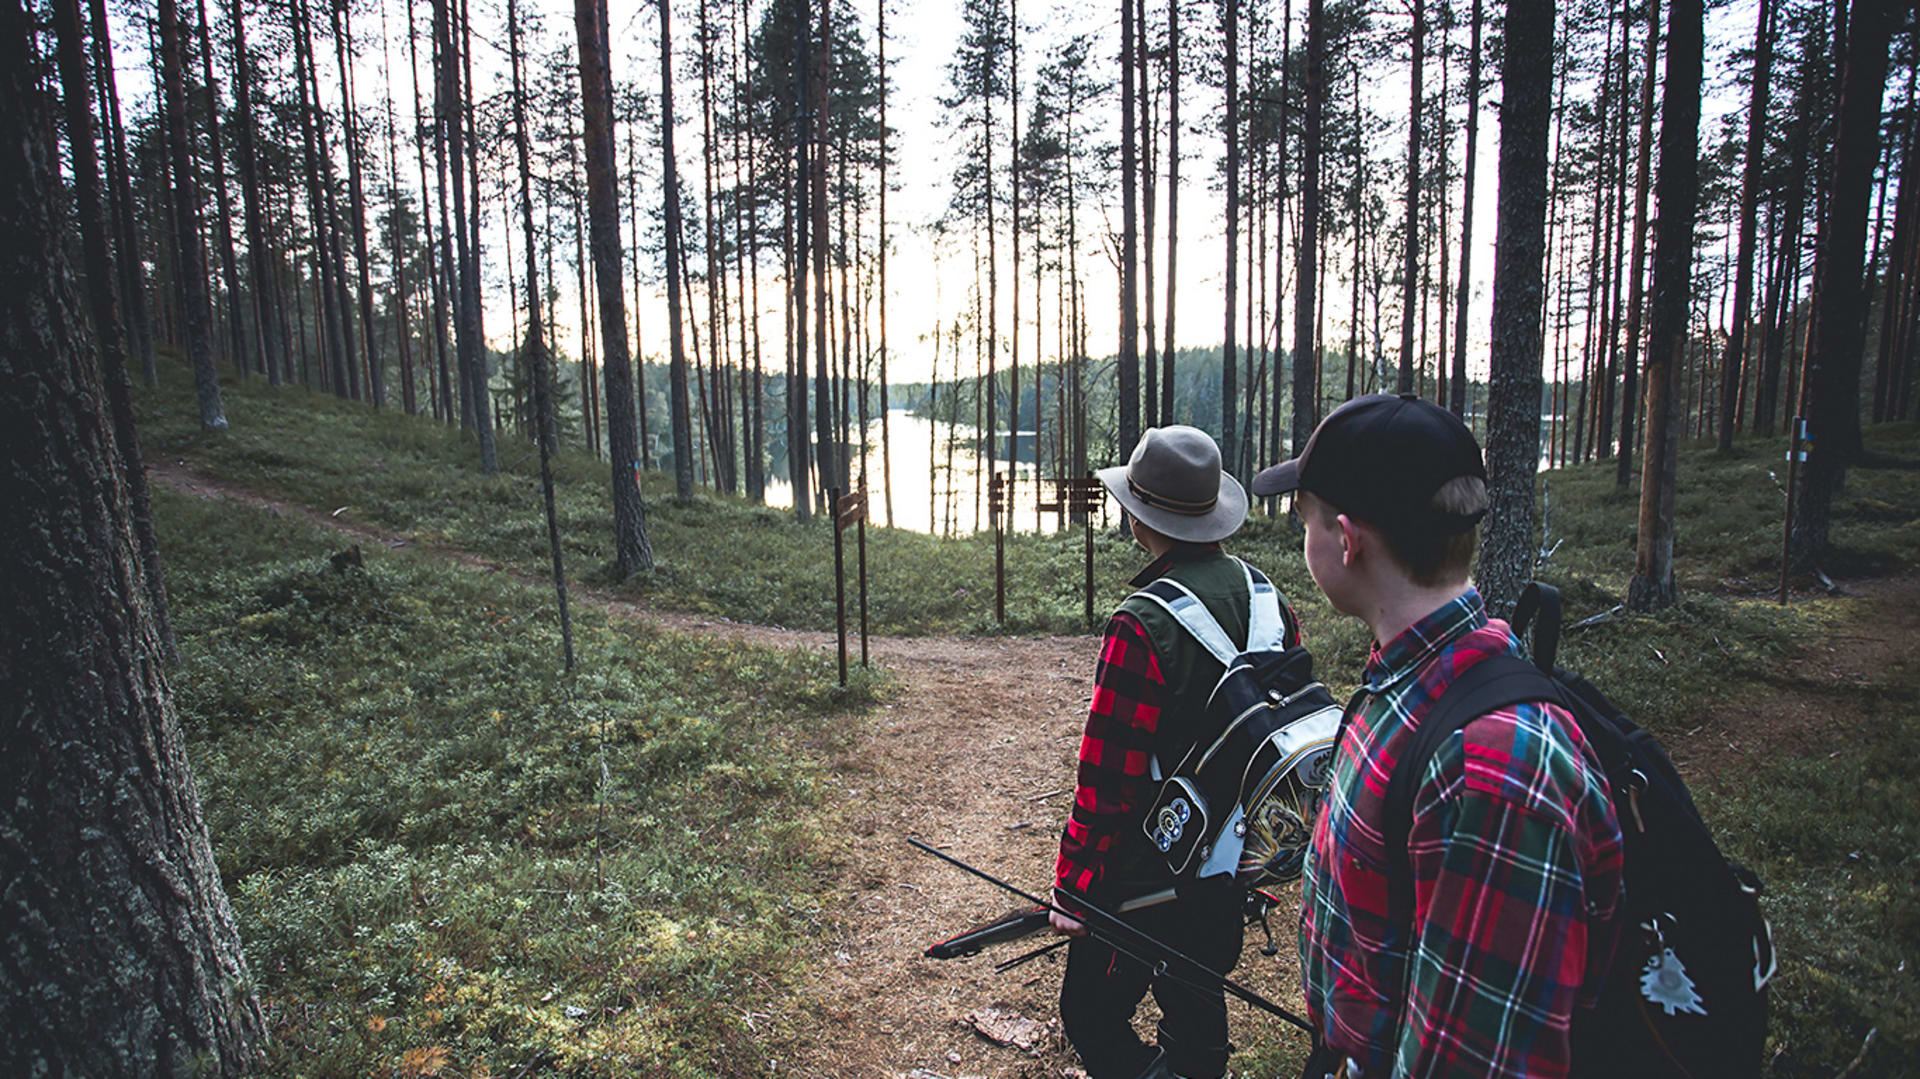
{"x":518,"y":511}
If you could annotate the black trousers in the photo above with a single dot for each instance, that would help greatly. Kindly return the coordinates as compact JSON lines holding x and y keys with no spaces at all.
{"x":1102,"y":988}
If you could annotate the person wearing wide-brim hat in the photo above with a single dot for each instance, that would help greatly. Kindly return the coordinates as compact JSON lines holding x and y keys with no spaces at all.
{"x":1150,"y":689}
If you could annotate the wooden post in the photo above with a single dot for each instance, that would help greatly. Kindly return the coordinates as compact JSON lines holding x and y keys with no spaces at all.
{"x":839,"y":584}
{"x":863,"y":568}
{"x":996,"y":508}
{"x":1086,"y":517}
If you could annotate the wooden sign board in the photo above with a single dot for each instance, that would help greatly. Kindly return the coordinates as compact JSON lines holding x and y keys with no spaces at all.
{"x":850,"y":510}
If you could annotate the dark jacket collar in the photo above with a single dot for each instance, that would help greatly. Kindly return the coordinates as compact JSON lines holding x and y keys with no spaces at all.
{"x":1179,"y":553}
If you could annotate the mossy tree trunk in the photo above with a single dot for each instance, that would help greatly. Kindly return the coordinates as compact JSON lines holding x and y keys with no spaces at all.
{"x":118,"y":953}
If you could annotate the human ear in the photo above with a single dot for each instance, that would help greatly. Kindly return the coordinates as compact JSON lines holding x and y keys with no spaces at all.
{"x":1349,"y":540}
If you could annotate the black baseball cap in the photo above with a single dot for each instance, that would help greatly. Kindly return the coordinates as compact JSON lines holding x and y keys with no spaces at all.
{"x":1380,"y":459}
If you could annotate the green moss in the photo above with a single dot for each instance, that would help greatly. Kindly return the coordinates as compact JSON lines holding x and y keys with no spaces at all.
{"x":437,"y":840}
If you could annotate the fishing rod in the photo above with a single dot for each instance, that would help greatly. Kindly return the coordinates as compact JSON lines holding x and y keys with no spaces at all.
{"x":1164,"y":960}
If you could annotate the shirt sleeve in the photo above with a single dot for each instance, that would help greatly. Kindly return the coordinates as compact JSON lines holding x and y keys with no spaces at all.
{"x":1115,"y":751}
{"x":1502,"y":906}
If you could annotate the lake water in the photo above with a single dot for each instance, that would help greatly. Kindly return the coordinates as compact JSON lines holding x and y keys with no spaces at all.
{"x":944,"y":502}
{"x":936,"y":499}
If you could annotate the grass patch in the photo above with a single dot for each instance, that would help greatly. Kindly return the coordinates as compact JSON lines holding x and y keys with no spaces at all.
{"x":443,"y":851}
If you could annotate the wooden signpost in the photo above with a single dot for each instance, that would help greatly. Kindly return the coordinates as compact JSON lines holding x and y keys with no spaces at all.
{"x":999,"y":508}
{"x":849,"y":511}
{"x":1085,"y":497}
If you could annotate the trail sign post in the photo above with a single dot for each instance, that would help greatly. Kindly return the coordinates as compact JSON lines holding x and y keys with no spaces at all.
{"x":998,"y":508}
{"x":1084,"y":497}
{"x":849,"y":511}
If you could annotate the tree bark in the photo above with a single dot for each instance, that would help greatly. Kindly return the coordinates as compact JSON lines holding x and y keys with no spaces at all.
{"x":1839,"y":314}
{"x":1513,"y":396}
{"x":1636,"y":297}
{"x":1306,"y":258}
{"x":77,"y":91}
{"x":1409,"y":270}
{"x":229,"y":277}
{"x":1167,"y":345}
{"x":266,"y":290}
{"x":198,"y":320}
{"x":1653,"y":580}
{"x":1731,"y":365}
{"x":118,"y":952}
{"x":536,"y":347}
{"x":1230,"y":133}
{"x":1457,"y":388}
{"x":131,"y":262}
{"x":670,"y":184}
{"x":1129,"y":355}
{"x":356,"y":193}
{"x":632,"y":552}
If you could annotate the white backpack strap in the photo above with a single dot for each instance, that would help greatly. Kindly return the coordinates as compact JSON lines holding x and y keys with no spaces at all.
{"x":1267,"y":628}
{"x":1186,"y":608}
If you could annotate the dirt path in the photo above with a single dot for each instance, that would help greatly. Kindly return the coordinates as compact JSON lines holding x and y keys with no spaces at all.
{"x":976,"y":757}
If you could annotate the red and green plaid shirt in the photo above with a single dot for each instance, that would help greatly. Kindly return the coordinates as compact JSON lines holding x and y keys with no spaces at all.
{"x":1114,"y":784}
{"x":1516,"y":858}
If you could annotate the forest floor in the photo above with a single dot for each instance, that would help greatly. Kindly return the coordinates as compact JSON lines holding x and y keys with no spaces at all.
{"x":973,"y":752}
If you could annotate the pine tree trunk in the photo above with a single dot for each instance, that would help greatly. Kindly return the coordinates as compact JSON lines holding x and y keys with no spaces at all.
{"x":475,"y":407}
{"x":822,"y":385}
{"x":229,"y":277}
{"x":1306,"y":259}
{"x":266,"y":291}
{"x":536,"y":347}
{"x":1129,"y":358}
{"x":886,"y":440}
{"x":77,"y":93}
{"x":632,"y":552}
{"x":1678,"y":192}
{"x":1513,"y":403}
{"x":1411,"y":235}
{"x":131,"y":262}
{"x":1167,"y":346}
{"x":1636,"y":297}
{"x":670,"y":173}
{"x":118,"y":951}
{"x":1731,"y":366}
{"x":1457,"y":388}
{"x":198,"y":318}
{"x":1839,"y":316}
{"x":1230,"y":132}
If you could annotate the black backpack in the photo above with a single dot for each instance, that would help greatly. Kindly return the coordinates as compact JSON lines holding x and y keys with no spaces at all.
{"x":1242,"y":798}
{"x":1686,"y":993}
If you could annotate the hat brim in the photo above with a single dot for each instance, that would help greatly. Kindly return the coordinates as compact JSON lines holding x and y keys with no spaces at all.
{"x":1278,"y":480}
{"x":1228,"y":514}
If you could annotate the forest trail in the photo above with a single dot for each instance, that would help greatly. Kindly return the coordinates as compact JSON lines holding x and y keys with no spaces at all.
{"x":975,"y":755}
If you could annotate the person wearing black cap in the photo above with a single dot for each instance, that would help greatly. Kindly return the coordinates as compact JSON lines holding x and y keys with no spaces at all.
{"x":1514,"y":846}
{"x":1151,"y":686}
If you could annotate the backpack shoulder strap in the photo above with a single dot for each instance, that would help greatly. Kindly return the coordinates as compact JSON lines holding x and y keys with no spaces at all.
{"x":1192,"y":614}
{"x":1488,"y":686}
{"x":1267,"y":628}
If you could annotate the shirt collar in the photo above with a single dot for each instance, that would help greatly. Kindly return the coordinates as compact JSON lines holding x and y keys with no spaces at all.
{"x":1420,"y":642}
{"x":1180,"y":552}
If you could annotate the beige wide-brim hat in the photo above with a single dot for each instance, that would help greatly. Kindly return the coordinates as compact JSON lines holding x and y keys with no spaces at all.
{"x":1174,"y":485}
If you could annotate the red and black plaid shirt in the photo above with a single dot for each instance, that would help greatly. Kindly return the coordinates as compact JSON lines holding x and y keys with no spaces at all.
{"x":1113,"y":785}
